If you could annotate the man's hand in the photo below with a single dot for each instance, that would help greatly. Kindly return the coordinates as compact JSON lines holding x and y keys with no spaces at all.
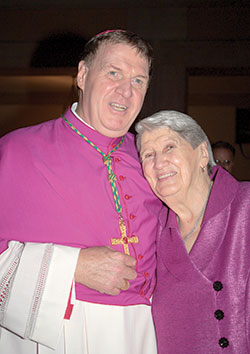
{"x":105,"y":270}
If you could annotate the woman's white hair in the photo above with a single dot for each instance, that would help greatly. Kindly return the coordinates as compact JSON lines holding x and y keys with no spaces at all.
{"x":182,"y":124}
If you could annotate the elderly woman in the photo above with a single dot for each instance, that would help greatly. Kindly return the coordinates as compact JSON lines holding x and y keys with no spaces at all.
{"x":202,"y":300}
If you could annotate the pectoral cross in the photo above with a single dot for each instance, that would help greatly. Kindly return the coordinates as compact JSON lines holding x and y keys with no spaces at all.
{"x":124,"y":240}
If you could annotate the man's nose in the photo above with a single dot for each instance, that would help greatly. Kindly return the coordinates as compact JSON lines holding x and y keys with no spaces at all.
{"x":125,"y":88}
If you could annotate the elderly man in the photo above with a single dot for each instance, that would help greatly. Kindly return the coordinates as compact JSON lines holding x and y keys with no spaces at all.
{"x":78,"y":223}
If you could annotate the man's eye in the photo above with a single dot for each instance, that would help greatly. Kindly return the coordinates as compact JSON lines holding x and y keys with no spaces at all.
{"x":113,"y":74}
{"x":138,"y":82}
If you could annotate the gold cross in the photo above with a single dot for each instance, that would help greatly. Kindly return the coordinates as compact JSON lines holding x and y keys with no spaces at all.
{"x":124,"y":240}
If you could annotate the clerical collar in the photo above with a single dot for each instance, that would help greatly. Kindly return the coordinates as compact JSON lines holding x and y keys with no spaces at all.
{"x":73,"y":109}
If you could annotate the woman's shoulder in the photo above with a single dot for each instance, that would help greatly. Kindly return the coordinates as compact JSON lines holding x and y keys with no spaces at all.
{"x":241,"y":200}
{"x":244,"y":189}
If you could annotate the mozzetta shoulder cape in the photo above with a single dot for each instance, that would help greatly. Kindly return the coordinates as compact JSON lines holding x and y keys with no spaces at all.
{"x":202,"y":299}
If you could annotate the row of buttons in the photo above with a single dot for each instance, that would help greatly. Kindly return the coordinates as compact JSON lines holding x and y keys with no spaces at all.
{"x":132,"y":216}
{"x":219,"y":315}
{"x":127,"y":197}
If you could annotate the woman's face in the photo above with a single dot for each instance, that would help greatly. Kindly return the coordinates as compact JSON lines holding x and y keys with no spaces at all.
{"x":170,"y":164}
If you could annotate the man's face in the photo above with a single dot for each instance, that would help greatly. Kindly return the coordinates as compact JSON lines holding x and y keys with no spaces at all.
{"x":224,"y":158}
{"x":113,"y":88}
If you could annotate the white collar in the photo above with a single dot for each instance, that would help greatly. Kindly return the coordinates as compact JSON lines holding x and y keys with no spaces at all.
{"x":73,"y":109}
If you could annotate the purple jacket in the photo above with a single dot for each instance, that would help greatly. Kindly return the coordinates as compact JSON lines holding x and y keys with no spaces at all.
{"x":202,"y":299}
{"x":54,"y":188}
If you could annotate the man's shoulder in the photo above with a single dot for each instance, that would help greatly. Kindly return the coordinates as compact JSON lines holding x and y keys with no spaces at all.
{"x":24,"y":140}
{"x":130,"y":141}
{"x":130,"y":136}
{"x":129,"y":146}
{"x":29,"y":133}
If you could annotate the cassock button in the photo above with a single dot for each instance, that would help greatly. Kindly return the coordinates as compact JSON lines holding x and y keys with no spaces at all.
{"x":122,"y":178}
{"x":127,"y":197}
{"x":142,"y":292}
{"x":140,"y":256}
{"x":217,"y":285}
{"x":223,"y":342}
{"x":219,"y":315}
{"x":131,"y":216}
{"x":146,"y":274}
{"x":117,"y":159}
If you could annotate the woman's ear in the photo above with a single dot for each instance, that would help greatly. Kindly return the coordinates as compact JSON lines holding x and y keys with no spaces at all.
{"x":204,"y":155}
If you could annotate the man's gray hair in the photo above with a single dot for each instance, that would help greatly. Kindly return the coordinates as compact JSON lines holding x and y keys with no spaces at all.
{"x":182,"y":124}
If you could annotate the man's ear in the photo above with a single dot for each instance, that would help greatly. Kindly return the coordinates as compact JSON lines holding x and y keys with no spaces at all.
{"x":81,"y":75}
